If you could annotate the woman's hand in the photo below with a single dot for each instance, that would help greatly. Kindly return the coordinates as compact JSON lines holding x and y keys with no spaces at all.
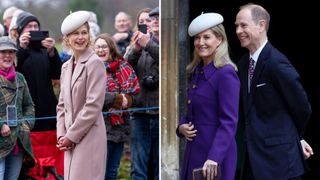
{"x":210,"y":169}
{"x":65,"y":144}
{"x":143,"y":39}
{"x":5,"y":130}
{"x":136,"y":38}
{"x":188,"y":131}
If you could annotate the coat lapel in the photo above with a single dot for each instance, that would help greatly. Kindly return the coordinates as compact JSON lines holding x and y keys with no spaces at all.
{"x":81,"y":65}
{"x":77,"y":71}
{"x":259,"y":67}
{"x":67,"y":77}
{"x":257,"y":73}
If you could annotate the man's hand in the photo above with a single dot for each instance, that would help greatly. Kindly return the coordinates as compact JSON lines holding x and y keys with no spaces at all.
{"x":24,"y":40}
{"x":49,"y":43}
{"x":307,"y":149}
{"x":120,"y":36}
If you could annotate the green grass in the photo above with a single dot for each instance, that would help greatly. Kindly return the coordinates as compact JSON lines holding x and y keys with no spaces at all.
{"x":124,"y":169}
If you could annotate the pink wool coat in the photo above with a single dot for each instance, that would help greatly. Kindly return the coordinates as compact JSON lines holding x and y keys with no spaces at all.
{"x":79,"y":117}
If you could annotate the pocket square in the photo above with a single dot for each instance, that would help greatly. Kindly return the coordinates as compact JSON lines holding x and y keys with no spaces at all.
{"x":262,"y":84}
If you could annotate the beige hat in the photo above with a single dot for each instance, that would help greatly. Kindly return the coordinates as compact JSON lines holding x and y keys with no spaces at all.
{"x":9,"y":12}
{"x":7,"y":44}
{"x":204,"y":22}
{"x":73,"y":21}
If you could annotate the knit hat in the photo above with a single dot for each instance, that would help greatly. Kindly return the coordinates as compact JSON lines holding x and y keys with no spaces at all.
{"x":23,"y":19}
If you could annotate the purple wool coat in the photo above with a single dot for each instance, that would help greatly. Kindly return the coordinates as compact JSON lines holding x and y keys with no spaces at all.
{"x":212,"y":106}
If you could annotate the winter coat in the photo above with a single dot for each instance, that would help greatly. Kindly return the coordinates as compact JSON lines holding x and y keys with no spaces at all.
{"x":25,"y":113}
{"x":80,"y":119}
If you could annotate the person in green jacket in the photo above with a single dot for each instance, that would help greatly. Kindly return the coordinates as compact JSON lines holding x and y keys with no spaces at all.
{"x":16,"y":114}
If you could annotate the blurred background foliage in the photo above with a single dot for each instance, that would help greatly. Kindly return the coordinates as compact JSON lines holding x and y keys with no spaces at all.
{"x":51,"y":13}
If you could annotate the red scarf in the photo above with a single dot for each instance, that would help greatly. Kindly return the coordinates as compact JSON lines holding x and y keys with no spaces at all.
{"x":10,"y":75}
{"x":121,"y":78}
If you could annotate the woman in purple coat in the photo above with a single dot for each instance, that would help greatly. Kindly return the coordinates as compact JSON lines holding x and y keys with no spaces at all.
{"x":212,"y":103}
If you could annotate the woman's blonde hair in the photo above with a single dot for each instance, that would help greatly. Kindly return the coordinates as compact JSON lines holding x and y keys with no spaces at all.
{"x":221,"y":56}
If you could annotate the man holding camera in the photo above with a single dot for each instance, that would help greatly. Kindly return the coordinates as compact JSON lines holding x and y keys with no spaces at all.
{"x":144,"y":58}
{"x":39,"y":62}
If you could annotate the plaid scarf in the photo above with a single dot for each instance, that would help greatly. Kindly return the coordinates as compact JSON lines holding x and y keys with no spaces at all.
{"x":122,"y":79}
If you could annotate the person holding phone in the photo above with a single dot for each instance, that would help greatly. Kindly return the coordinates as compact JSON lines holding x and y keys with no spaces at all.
{"x":40,"y":66}
{"x":144,"y":58}
{"x":16,"y":114}
{"x":143,"y":26}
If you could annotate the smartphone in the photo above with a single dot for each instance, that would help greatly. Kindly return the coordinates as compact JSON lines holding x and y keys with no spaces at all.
{"x":12,"y":119}
{"x":37,"y":37}
{"x":143,"y":28}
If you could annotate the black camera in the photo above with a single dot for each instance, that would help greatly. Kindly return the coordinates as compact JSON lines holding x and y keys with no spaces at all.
{"x":150,"y":82}
{"x":37,"y":37}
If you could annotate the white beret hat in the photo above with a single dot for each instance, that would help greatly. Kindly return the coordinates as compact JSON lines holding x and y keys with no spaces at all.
{"x":204,"y":22}
{"x":73,"y":21}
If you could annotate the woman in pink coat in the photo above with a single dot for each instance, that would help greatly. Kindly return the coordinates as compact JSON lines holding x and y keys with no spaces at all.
{"x":81,"y":131}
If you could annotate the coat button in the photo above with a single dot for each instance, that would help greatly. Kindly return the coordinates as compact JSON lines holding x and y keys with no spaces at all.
{"x":189,"y":101}
{"x":194,"y":86}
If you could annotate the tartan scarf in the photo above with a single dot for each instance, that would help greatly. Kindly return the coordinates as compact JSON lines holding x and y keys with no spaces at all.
{"x":122,"y":79}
